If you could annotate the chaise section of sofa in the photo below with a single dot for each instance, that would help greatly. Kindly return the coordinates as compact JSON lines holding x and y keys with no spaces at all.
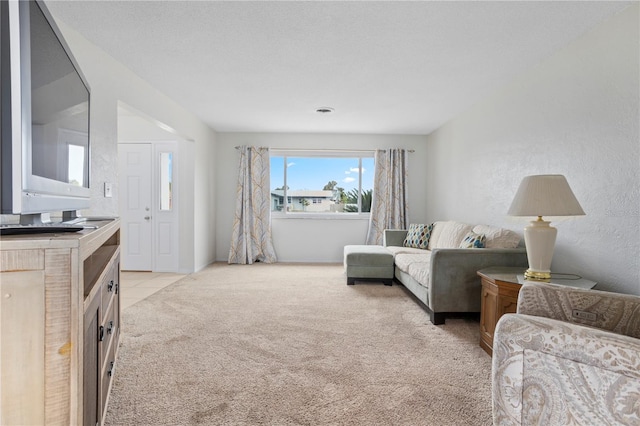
{"x":443,"y":277}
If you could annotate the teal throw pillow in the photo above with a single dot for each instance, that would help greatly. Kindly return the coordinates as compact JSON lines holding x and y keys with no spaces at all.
{"x":418,"y":236}
{"x":473,"y":240}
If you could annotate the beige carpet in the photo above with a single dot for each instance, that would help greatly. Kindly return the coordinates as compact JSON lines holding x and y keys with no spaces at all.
{"x":294,"y":345}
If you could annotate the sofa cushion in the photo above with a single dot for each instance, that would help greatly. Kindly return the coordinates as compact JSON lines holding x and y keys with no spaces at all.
{"x":473,"y":240}
{"x":367,"y":255}
{"x":497,"y":237}
{"x":418,"y":236}
{"x":419,"y":271}
{"x":415,"y":263}
{"x":397,"y":250}
{"x":435,"y":234}
{"x":448,"y":234}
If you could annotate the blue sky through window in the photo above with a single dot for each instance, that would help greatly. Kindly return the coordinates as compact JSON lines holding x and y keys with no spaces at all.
{"x":313,"y":173}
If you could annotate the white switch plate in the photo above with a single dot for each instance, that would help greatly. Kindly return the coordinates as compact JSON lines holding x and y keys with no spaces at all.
{"x":108,"y":190}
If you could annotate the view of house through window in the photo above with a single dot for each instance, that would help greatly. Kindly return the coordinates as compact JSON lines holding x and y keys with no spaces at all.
{"x":314,"y":184}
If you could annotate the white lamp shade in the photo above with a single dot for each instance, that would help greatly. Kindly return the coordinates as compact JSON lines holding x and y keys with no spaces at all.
{"x":545,"y":195}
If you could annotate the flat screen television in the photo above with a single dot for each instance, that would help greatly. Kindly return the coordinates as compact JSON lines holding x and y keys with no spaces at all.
{"x":44,"y":156}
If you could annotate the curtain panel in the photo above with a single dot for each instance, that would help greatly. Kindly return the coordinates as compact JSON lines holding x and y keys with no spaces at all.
{"x":389,"y":204}
{"x":251,"y":235}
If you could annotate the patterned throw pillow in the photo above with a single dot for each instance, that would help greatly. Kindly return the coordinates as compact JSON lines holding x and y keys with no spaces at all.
{"x":418,"y":236}
{"x":473,"y":240}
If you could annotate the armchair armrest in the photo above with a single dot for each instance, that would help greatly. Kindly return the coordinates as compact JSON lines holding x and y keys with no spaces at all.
{"x":551,"y":372}
{"x":619,"y":313}
{"x":394,"y":237}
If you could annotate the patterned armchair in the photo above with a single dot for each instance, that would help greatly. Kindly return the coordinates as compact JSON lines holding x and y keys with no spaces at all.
{"x":551,"y":368}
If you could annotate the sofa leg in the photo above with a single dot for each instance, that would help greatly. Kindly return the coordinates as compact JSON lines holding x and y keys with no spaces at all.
{"x":388,"y":282}
{"x":437,"y":318}
{"x":351,"y":281}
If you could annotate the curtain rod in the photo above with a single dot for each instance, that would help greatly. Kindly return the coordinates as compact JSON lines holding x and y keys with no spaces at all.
{"x":323,"y":150}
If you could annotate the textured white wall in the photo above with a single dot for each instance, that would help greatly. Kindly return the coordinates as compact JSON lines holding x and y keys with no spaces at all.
{"x":110,"y":83}
{"x":136,"y":128}
{"x":576,"y":114}
{"x":310,"y":240}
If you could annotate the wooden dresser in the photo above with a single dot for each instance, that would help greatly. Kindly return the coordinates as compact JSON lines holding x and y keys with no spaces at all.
{"x":60,"y":325}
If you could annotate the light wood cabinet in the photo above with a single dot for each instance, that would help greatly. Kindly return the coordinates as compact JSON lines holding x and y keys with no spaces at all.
{"x":101,"y":332}
{"x":58,"y":292}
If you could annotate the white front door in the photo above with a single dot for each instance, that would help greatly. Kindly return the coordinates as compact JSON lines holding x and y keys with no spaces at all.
{"x":149,"y":206}
{"x":135,"y":206}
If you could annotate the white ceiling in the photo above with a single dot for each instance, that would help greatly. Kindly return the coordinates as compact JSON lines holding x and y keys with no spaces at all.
{"x":385,"y":67}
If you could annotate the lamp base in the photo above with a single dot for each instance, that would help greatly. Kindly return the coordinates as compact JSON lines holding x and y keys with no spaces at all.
{"x":539,"y":239}
{"x":530,"y":275}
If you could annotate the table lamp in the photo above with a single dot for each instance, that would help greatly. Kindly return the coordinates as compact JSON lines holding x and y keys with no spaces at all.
{"x":543,"y":195}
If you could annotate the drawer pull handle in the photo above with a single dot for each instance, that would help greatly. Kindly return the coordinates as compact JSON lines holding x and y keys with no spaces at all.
{"x":101,"y":333}
{"x":110,"y":286}
{"x":110,"y":327}
{"x":117,"y":288}
{"x":110,"y":371}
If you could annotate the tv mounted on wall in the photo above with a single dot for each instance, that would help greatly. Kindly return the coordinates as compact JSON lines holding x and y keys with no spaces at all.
{"x":44,"y":97}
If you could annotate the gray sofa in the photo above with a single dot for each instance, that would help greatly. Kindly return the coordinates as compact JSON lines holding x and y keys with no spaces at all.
{"x":443,"y":277}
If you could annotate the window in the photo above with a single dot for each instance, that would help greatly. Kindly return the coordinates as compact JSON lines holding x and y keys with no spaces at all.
{"x":76,"y":163}
{"x":321,"y":182}
{"x":166,"y":181}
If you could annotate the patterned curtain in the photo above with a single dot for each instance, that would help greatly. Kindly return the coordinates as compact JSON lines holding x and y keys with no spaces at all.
{"x":251,"y":235}
{"x":389,"y":205}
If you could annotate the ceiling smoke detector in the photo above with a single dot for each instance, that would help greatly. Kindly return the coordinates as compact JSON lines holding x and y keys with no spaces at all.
{"x":325,"y":110}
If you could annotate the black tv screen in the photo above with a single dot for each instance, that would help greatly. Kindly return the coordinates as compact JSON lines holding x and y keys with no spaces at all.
{"x":59,"y":108}
{"x":45,"y":102}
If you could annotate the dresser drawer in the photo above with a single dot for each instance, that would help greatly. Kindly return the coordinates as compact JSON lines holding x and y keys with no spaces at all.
{"x":108,"y":328}
{"x":108,"y":371}
{"x":109,"y":287}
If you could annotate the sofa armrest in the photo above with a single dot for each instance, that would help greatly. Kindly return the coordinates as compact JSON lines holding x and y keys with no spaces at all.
{"x":394,"y":237}
{"x":551,"y":372}
{"x":454,"y":284}
{"x":615,"y":312}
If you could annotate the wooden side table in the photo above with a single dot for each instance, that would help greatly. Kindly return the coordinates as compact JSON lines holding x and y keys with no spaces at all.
{"x":500,"y":289}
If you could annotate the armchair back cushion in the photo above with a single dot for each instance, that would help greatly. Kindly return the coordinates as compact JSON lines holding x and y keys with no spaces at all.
{"x":619,"y":313}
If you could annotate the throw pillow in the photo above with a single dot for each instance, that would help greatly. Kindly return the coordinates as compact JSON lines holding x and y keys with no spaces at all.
{"x":473,"y":240}
{"x":450,"y":235}
{"x":418,"y":236}
{"x":498,"y":237}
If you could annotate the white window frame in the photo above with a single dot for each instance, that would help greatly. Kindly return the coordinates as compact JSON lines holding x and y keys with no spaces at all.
{"x":319,"y":153}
